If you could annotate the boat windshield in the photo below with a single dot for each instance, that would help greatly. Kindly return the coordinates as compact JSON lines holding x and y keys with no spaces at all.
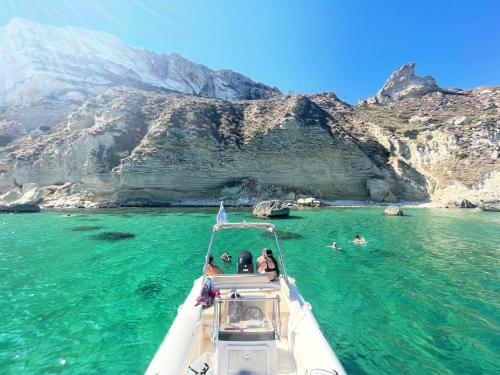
{"x":247,"y":318}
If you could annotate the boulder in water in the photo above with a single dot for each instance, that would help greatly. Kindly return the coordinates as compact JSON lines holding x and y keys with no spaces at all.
{"x":308,"y":202}
{"x":272,"y":208}
{"x":27,"y":200}
{"x":393,"y":211}
{"x":490,"y":206}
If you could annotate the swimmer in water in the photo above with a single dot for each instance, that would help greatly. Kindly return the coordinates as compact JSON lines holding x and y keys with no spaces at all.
{"x":334,"y":247}
{"x":226,"y":257}
{"x":358,"y":240}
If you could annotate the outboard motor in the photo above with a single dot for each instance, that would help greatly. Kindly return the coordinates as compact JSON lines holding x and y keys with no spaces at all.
{"x":245,"y":262}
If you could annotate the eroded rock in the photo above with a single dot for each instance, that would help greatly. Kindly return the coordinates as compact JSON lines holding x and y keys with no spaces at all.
{"x":308,"y":202}
{"x":380,"y":190}
{"x":462,"y":120}
{"x":404,"y":83}
{"x":490,"y":206}
{"x":272,"y":208}
{"x":393,"y":211}
{"x":467,"y":204}
{"x":27,"y":199}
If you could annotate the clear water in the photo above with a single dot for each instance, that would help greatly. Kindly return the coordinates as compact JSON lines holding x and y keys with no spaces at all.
{"x":421,"y":297}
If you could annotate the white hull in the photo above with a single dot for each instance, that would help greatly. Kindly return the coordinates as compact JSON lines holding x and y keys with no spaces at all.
{"x":300,"y":349}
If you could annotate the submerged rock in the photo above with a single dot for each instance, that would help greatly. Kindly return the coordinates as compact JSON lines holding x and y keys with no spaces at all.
{"x":273,"y":208}
{"x":393,"y":211}
{"x":85,"y":228}
{"x":284,"y":235}
{"x":113,"y":236}
{"x":149,"y":289}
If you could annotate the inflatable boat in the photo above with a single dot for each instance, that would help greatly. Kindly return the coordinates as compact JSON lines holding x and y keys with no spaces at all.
{"x":245,"y":324}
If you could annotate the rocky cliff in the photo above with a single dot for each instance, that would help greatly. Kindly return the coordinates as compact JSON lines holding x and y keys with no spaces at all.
{"x":140,"y":139}
{"x":46,"y":72}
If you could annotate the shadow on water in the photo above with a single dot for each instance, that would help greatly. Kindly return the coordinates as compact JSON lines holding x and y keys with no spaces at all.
{"x":289,"y":217}
{"x":149,"y":289}
{"x":85,"y":228}
{"x":113,"y":236}
{"x":352,"y":367}
{"x":86,"y":218}
{"x":277,"y":218}
{"x":283,"y":235}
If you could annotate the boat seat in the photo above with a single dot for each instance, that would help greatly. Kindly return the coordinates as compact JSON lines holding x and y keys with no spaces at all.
{"x":244,"y":281}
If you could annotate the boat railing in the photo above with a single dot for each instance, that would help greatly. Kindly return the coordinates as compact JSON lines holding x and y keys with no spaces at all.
{"x":247,"y":319}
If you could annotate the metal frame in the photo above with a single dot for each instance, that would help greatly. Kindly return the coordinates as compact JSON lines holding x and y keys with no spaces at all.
{"x":265,"y":226}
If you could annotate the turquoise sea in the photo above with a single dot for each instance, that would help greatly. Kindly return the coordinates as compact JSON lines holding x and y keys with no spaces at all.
{"x":422,"y":297}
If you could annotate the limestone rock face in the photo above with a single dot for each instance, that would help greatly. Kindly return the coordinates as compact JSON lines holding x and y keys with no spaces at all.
{"x":143,"y":147}
{"x":404,"y":83}
{"x":379,"y":190}
{"x":10,"y":196}
{"x":272,"y":208}
{"x":95,"y":123}
{"x":449,"y":159}
{"x":462,"y":120}
{"x":47,"y":73}
{"x":466,"y":204}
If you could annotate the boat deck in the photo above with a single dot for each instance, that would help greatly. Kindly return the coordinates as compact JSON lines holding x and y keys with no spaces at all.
{"x":285,"y":364}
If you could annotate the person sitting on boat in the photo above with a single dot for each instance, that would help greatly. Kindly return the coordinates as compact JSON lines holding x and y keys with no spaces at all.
{"x":212,"y":269}
{"x":358,"y":240}
{"x":226,"y":257}
{"x":267,"y":264}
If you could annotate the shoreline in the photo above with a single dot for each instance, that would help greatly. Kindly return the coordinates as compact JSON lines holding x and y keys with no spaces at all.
{"x":209,"y":203}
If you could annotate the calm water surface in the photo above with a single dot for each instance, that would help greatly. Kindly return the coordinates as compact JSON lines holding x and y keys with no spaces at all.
{"x":422,"y":297}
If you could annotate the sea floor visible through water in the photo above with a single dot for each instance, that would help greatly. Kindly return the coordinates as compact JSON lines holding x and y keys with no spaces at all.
{"x":94,"y":292}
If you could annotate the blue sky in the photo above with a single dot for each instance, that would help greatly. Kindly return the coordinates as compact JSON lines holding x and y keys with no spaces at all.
{"x":348,"y":47}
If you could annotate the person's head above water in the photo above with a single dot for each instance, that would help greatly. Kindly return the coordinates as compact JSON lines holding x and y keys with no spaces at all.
{"x":269,"y":252}
{"x":357,"y":236}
